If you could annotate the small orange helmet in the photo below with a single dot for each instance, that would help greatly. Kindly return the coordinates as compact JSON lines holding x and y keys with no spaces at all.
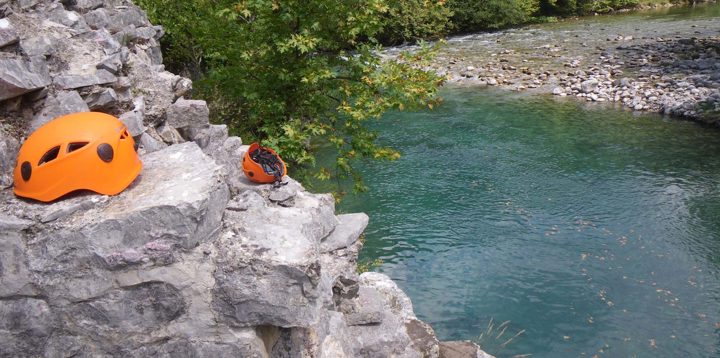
{"x":263,"y":165}
{"x":88,"y":150}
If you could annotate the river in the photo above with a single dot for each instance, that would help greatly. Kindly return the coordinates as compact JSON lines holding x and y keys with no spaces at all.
{"x":592,"y":229}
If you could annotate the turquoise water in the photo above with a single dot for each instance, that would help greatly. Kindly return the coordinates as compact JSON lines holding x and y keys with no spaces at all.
{"x":593,"y":229}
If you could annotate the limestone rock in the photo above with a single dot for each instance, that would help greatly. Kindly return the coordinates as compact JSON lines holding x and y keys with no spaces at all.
{"x":75,"y":81}
{"x":349,"y":229}
{"x":461,"y":349}
{"x":16,"y":78}
{"x":132,"y":16}
{"x":156,"y":87}
{"x":209,"y":137}
{"x":169,"y":134}
{"x":230,"y":155}
{"x":106,"y":98}
{"x":86,"y":5}
{"x":27,"y":4}
{"x":112,"y":63}
{"x":135,"y":118}
{"x":589,"y":85}
{"x":150,"y":144}
{"x":403,"y":335}
{"x":134,"y":122}
{"x":188,"y":113}
{"x":283,"y":196}
{"x":40,"y":45}
{"x":270,"y":271}
{"x":182,"y":86}
{"x":176,"y":203}
{"x":367,"y":308}
{"x":8,"y":35}
{"x":97,"y":19}
{"x":68,"y":18}
{"x":64,"y":102}
{"x":9,"y":147}
{"x":25,"y":323}
{"x":16,"y":279}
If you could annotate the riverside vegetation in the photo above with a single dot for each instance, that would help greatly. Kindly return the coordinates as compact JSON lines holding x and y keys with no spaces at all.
{"x":296,"y":73}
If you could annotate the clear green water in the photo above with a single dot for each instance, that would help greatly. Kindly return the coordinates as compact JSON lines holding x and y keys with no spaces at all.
{"x":595,"y":230}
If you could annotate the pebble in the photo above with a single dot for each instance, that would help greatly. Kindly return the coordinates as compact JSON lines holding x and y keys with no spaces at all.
{"x":641,"y":72}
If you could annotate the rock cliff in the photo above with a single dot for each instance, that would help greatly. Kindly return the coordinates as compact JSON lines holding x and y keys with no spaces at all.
{"x":192,"y":260}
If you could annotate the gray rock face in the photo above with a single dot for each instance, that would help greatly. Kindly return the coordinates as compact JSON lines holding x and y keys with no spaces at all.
{"x":134,"y":122}
{"x":461,"y":349}
{"x":279,"y":246}
{"x":40,"y":45}
{"x":170,"y":267}
{"x":156,"y":87}
{"x":97,"y":19}
{"x":588,"y":86}
{"x":209,"y":137}
{"x":367,"y":308}
{"x":188,"y":113}
{"x":169,"y":134}
{"x":176,"y":203}
{"x":403,"y":335}
{"x":150,"y":144}
{"x":104,"y":99}
{"x":120,"y":20}
{"x":349,"y":229}
{"x":61,"y":103}
{"x":86,"y":5}
{"x":9,"y":146}
{"x":8,"y":35}
{"x":16,"y":79}
{"x":26,"y":323}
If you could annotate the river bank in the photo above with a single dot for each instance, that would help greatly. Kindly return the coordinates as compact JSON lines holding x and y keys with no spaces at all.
{"x":664,"y":61}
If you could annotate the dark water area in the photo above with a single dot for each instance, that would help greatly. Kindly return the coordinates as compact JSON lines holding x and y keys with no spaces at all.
{"x":594,"y":230}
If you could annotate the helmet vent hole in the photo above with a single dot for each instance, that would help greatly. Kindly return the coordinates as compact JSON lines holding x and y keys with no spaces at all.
{"x":75,"y":146}
{"x":50,"y":155}
{"x":124,"y":134}
{"x":105,"y":152}
{"x":26,"y":171}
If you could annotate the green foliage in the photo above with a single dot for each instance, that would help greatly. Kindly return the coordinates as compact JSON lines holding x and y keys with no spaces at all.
{"x":474,"y":15}
{"x":290,"y":73}
{"x":414,"y":20}
{"x":583,"y":7}
{"x":369,"y":265}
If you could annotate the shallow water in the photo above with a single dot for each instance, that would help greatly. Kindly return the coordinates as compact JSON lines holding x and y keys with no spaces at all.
{"x":578,"y":39}
{"x":593,"y":229}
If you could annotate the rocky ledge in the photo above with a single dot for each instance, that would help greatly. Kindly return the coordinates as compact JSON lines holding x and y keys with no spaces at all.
{"x":191,"y":260}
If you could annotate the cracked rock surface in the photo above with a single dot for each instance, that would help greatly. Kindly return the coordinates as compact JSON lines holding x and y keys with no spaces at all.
{"x":192,"y":259}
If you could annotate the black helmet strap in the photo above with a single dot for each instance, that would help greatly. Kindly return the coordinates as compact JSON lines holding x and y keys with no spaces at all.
{"x":271,"y":163}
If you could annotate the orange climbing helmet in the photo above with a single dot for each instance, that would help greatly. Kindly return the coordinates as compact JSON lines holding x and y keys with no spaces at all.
{"x":263,"y":165}
{"x":88,"y":150}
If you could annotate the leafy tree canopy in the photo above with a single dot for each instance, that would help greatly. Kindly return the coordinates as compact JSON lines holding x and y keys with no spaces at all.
{"x":291,"y":72}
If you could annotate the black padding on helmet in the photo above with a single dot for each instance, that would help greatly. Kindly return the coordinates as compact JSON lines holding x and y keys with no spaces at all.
{"x":271,"y":163}
{"x":26,"y":170}
{"x":105,"y":152}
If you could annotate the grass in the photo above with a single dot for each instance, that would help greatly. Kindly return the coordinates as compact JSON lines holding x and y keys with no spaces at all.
{"x":496,"y":338}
